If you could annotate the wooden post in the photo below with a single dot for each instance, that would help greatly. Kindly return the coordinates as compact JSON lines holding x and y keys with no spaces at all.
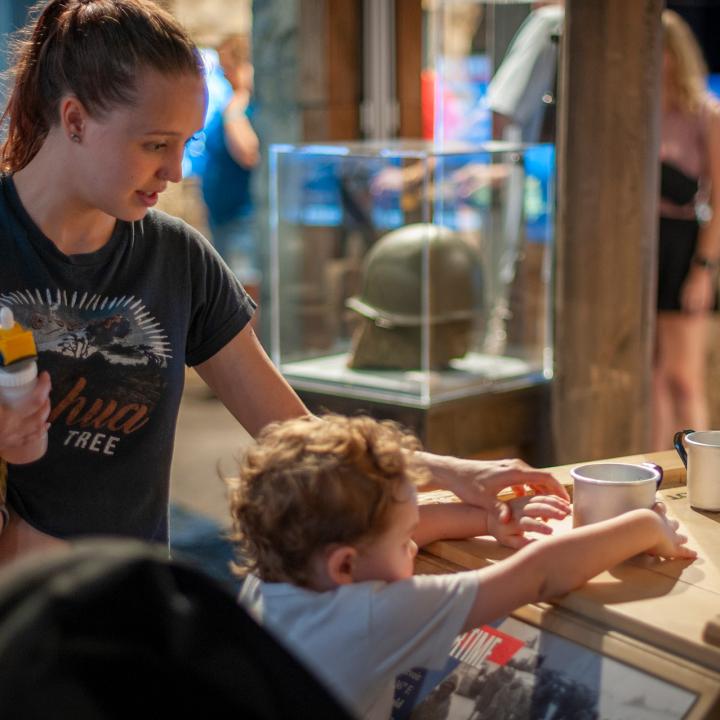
{"x":608,"y":142}
{"x":330,"y":57}
{"x":409,"y":40}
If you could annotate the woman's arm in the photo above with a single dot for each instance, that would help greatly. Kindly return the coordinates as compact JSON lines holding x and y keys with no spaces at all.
{"x":479,"y":481}
{"x":240,"y":138}
{"x":249,"y":385}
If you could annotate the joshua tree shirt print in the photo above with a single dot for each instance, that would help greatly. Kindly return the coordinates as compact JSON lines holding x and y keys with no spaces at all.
{"x":122,"y":350}
{"x":115,"y":329}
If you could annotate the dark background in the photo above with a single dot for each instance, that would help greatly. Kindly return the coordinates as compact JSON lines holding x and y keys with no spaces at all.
{"x":703,"y":16}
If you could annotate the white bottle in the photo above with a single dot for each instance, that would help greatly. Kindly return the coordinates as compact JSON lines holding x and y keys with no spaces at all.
{"x":17,"y":381}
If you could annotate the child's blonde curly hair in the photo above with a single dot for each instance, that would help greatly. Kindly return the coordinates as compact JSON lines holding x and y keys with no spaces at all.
{"x":311,"y":482}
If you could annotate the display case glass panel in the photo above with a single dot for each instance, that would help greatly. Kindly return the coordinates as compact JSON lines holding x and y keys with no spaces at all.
{"x":409,"y":274}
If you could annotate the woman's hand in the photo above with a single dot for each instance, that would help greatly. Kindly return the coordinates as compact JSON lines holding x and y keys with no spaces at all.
{"x":698,"y":291}
{"x":527,"y":514}
{"x":478,"y":482}
{"x":27,"y":422}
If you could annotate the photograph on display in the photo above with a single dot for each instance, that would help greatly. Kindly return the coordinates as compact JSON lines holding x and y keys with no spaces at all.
{"x":517,"y":671}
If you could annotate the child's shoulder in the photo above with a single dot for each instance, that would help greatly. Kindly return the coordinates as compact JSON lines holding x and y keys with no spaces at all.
{"x":360,"y":601}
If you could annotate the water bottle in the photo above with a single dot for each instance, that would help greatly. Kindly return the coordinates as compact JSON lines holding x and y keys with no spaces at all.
{"x":18,"y":376}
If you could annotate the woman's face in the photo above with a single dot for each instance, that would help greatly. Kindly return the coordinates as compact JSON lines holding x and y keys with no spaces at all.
{"x":132,"y":153}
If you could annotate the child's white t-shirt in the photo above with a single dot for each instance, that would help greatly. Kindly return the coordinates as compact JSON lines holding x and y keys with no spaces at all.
{"x":358,"y":637}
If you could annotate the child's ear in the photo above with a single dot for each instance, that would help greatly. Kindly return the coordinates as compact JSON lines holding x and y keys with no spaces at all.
{"x":340,"y":564}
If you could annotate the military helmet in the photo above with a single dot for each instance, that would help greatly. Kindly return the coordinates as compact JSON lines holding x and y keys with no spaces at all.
{"x":418,"y":271}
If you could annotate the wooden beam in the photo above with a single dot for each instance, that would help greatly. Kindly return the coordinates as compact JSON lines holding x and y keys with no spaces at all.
{"x":409,"y":42}
{"x":608,"y":142}
{"x":329,"y":42}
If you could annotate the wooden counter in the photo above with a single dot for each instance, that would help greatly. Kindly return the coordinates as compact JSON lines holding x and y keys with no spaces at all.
{"x":670,"y":608}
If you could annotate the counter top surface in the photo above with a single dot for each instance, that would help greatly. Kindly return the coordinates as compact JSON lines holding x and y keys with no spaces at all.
{"x":668,"y":604}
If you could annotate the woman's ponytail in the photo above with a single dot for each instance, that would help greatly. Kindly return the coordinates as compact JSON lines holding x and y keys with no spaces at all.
{"x":24,"y":114}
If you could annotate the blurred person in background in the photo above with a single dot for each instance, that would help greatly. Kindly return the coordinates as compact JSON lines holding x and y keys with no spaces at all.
{"x":689,"y":235}
{"x":231,"y":153}
{"x":521,"y":94}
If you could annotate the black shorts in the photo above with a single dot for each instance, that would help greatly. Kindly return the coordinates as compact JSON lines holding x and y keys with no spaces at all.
{"x":676,"y":247}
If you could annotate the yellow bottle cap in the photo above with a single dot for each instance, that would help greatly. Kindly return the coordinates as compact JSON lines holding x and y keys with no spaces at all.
{"x":16,"y":343}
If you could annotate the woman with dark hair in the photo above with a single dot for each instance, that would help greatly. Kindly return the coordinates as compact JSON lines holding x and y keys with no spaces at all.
{"x":121,"y":296}
{"x":106,"y":94}
{"x":689,"y":235}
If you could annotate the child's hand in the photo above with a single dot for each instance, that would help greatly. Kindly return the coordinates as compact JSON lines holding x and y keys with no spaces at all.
{"x":672,"y":543}
{"x":527,"y":514}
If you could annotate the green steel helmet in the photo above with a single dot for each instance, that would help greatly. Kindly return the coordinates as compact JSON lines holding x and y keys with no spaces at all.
{"x":416,"y":272}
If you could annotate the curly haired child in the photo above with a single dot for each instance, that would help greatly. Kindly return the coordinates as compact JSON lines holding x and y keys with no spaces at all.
{"x":327,"y":519}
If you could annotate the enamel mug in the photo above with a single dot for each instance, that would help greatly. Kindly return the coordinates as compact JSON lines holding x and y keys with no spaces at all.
{"x":604,"y":490}
{"x":701,"y":457}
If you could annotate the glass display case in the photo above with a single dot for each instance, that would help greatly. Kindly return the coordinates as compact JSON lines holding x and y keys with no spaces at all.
{"x":410,"y":273}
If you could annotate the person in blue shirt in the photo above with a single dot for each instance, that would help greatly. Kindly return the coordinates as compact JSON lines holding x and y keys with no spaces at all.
{"x":231,"y":152}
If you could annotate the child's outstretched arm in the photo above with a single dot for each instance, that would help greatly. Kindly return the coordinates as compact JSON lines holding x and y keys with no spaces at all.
{"x":554,"y":566}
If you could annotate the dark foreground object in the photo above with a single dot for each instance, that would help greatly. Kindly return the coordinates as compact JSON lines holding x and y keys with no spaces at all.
{"x":113,"y":629}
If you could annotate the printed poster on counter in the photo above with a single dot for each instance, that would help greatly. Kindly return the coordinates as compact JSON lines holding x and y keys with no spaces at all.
{"x":516,"y":671}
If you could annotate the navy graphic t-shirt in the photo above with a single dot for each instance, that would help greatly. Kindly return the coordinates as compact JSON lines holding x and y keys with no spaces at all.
{"x":114,"y":329}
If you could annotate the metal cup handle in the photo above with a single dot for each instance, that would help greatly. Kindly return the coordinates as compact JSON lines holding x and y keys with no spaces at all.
{"x":654,"y":466}
{"x":678,"y":443}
